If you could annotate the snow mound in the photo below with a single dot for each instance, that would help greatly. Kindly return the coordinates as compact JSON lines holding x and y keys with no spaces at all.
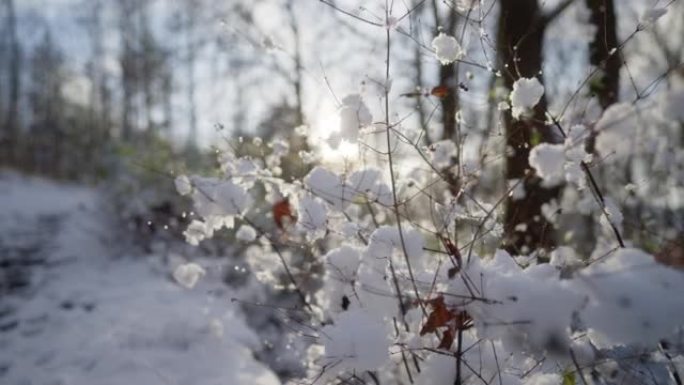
{"x":89,"y":318}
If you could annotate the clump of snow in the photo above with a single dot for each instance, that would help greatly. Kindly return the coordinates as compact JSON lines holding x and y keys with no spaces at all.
{"x":213,"y":197}
{"x":328,"y":186}
{"x":631,"y":299}
{"x":548,"y":160}
{"x":196,"y":232}
{"x":447,"y":48}
{"x":246,"y":233}
{"x":534,"y":309}
{"x":312,"y":217}
{"x":356,"y":339}
{"x":564,"y":256}
{"x":368,"y":182}
{"x":527,"y":92}
{"x":617,"y":131}
{"x":188,"y":274}
{"x":333,"y":190}
{"x":345,"y":261}
{"x":183,"y":185}
{"x":387,"y":238}
{"x":556,"y":163}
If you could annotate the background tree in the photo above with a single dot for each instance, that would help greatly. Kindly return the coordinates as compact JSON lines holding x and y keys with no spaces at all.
{"x":522,"y":25}
{"x":48,"y":106}
{"x":12,"y":50}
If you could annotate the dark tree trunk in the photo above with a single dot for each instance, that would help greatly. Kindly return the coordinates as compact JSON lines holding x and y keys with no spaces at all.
{"x":520,"y":46}
{"x":448,"y":77}
{"x":191,"y":52}
{"x":298,"y":80}
{"x":606,"y":84}
{"x":11,"y":125}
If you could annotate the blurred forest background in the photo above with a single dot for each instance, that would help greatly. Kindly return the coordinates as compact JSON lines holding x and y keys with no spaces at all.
{"x":127,"y":94}
{"x":131,"y":90}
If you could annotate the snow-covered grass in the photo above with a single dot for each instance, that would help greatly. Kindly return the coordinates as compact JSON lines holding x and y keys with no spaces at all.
{"x":89,"y":317}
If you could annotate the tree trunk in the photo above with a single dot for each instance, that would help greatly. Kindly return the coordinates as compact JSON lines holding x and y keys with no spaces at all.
{"x":191,"y":52}
{"x":520,"y":46}
{"x":11,"y":124}
{"x":606,"y":86}
{"x":298,"y":67}
{"x":448,"y":77}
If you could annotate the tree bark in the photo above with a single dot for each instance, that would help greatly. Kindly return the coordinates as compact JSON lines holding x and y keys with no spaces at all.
{"x":520,"y":49}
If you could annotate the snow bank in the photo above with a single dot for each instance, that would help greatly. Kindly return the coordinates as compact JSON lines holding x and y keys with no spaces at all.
{"x":91,"y":319}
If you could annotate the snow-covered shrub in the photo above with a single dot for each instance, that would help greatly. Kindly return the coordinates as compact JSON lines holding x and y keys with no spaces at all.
{"x":410,"y":292}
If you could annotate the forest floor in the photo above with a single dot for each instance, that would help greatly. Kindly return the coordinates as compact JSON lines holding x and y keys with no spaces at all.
{"x":75,"y":309}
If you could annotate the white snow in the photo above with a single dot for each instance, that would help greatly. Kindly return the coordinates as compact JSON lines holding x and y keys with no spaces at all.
{"x":650,"y":16}
{"x":442,"y":152}
{"x":196,"y":232}
{"x":548,"y":160}
{"x":358,"y":340}
{"x":556,"y":163}
{"x":92,"y":318}
{"x":188,"y":274}
{"x":246,"y":233}
{"x":312,"y":217}
{"x":183,"y":185}
{"x":617,"y":131}
{"x":544,"y":379}
{"x":447,"y":49}
{"x":344,"y":261}
{"x":527,"y":92}
{"x":213,"y":197}
{"x":632,"y":299}
{"x":332,"y":189}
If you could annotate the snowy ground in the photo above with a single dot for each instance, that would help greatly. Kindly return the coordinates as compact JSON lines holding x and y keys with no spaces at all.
{"x":73,"y":313}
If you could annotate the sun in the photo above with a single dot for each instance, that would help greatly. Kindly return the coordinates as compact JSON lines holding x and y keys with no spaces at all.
{"x":333,"y":151}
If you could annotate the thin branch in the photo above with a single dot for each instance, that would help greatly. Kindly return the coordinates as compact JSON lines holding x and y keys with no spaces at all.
{"x":554,"y":13}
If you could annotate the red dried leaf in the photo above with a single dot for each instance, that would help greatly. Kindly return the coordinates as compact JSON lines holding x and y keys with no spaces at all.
{"x":439,"y":317}
{"x":440,"y":91}
{"x":447,"y":340}
{"x":282,"y":214}
{"x":453,"y":252}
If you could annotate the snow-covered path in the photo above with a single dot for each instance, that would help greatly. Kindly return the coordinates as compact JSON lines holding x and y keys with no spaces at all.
{"x":82,"y":316}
